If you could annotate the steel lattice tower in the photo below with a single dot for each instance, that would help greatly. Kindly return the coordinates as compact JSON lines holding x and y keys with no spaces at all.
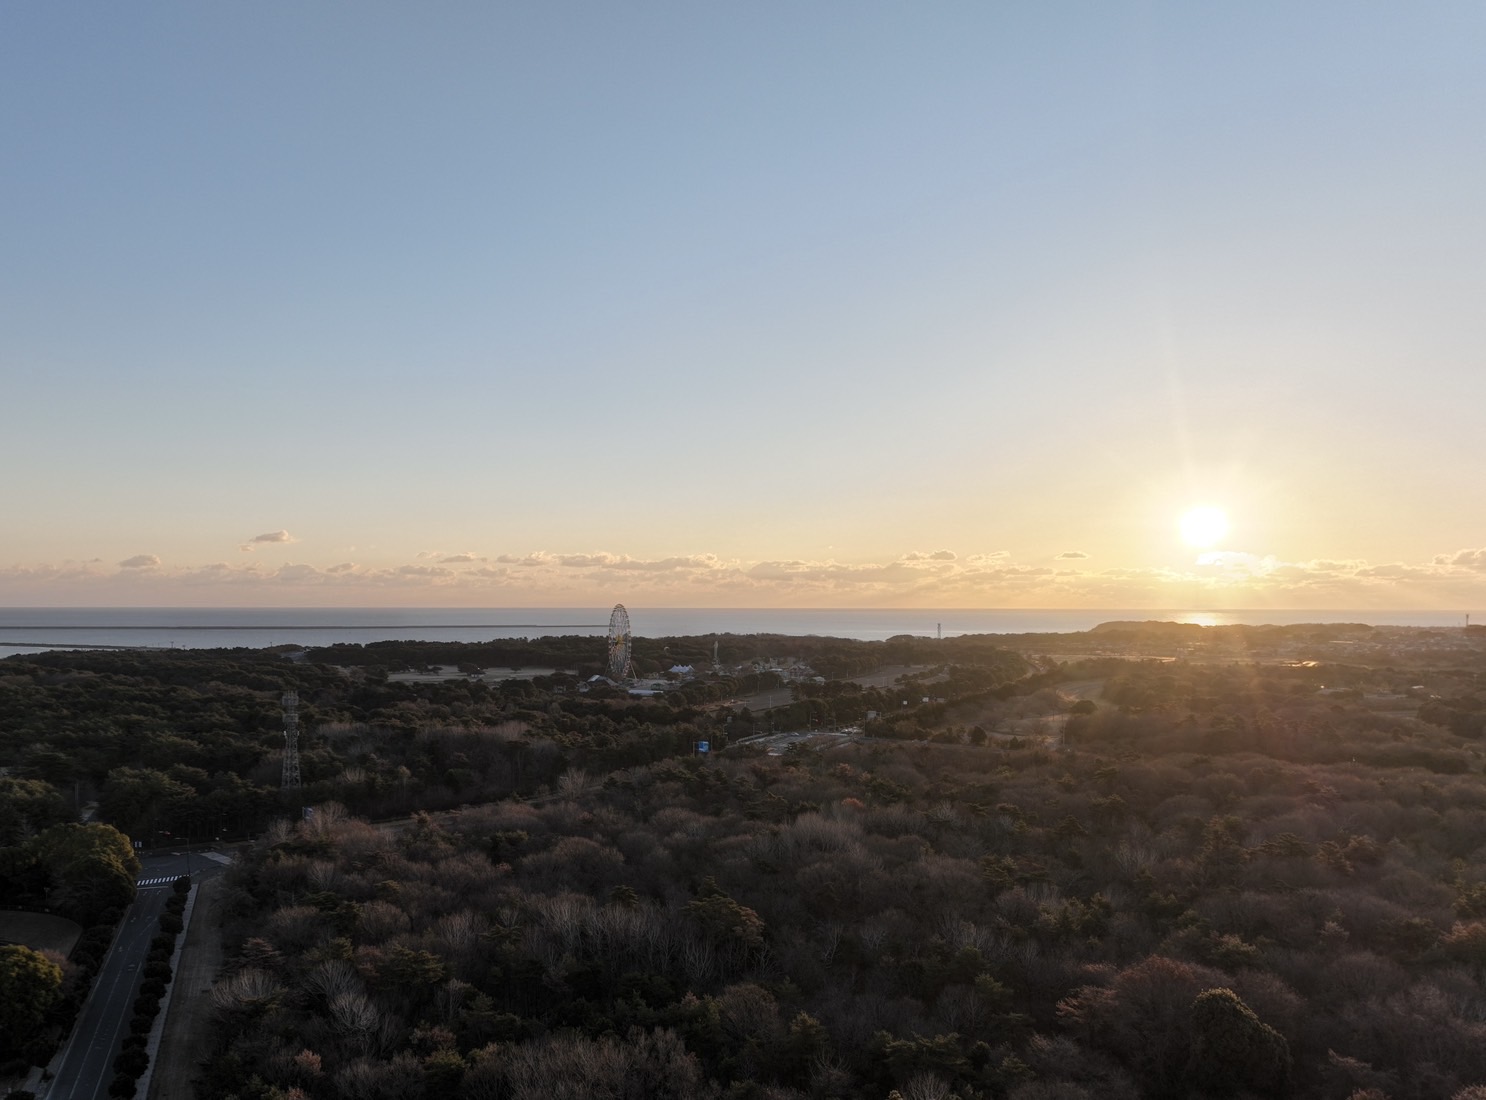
{"x":291,"y":741}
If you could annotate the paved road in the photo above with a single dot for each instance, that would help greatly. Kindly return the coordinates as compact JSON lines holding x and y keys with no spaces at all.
{"x":86,"y":1066}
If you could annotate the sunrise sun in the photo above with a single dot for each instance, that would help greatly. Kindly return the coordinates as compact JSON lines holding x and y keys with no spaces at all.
{"x":1204,"y":527}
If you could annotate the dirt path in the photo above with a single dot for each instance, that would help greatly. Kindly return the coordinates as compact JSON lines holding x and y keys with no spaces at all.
{"x":184,"y":1041}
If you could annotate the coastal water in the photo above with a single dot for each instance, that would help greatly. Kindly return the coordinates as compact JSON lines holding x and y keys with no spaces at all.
{"x":28,"y":630}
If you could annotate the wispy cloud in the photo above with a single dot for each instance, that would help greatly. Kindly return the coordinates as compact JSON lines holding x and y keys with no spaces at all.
{"x":140,"y":561}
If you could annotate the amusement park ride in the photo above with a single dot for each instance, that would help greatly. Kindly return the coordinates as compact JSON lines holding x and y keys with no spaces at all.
{"x":620,"y":666}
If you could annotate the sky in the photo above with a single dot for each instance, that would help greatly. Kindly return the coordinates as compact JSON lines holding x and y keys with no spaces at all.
{"x":829,"y":304}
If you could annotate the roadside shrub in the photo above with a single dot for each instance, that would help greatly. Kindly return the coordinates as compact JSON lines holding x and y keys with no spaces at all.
{"x":145,"y":1005}
{"x":62,"y":1020}
{"x":123,"y":1086}
{"x":67,"y":1006}
{"x":39,"y":1050}
{"x":132,"y":1061}
{"x":95,"y":940}
{"x":135,"y":1042}
{"x":176,"y":904}
{"x":141,"y":1024}
{"x":163,"y":941}
{"x":157,"y":968}
{"x":182,"y":885}
{"x":170,"y":923}
{"x":152,"y":987}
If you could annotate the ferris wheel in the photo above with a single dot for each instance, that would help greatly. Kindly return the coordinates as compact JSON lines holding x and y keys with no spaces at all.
{"x":619,"y":645}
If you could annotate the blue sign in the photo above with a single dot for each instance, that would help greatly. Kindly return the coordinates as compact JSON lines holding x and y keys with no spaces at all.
{"x":704,"y":746}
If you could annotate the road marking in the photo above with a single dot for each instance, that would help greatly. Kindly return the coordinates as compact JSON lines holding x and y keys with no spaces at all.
{"x":166,"y":881}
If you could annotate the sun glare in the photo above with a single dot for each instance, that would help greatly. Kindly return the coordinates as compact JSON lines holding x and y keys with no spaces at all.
{"x":1204,"y":527}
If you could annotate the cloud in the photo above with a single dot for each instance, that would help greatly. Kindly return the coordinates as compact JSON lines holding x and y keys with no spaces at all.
{"x":691,"y":563}
{"x":1236,"y":561}
{"x":296,"y":572}
{"x":939,"y":578}
{"x":423,"y":571}
{"x":586,"y":561}
{"x":1464,"y":559}
{"x":63,"y":573}
{"x":274,"y":536}
{"x":918,"y":578}
{"x":530,"y":561}
{"x":623,"y":563}
{"x":937,"y":555}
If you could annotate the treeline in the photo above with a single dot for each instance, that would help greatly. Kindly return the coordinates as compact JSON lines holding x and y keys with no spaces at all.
{"x":938,"y":920}
{"x":1382,"y":648}
{"x":1464,"y":715}
{"x":180,"y":741}
{"x":85,"y":873}
{"x":189,"y":744}
{"x":1320,"y":714}
{"x":1240,"y":880}
{"x":830,"y":657}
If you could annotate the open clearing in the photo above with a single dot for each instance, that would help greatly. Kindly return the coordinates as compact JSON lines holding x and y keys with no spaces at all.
{"x":39,"y":931}
{"x":440,"y":673}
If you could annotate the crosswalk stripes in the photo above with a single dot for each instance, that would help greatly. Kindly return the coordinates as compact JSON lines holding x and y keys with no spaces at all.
{"x":166,"y":881}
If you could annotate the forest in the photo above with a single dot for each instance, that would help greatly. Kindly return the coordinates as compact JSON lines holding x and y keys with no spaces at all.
{"x":188,"y":743}
{"x":1041,"y":880}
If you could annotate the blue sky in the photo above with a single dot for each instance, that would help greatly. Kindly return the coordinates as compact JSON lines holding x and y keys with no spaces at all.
{"x":822,"y":304}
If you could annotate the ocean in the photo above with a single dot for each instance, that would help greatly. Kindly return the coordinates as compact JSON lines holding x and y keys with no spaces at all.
{"x":28,"y":630}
